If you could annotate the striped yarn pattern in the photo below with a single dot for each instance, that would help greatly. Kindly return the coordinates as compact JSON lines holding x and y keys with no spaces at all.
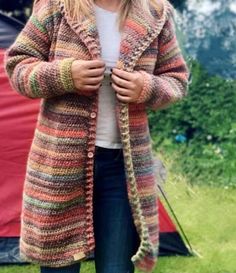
{"x":57,"y":222}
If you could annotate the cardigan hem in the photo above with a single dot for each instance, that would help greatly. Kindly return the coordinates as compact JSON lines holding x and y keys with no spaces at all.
{"x":61,"y":262}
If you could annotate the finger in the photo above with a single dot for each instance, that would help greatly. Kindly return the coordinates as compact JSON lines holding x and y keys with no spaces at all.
{"x":91,"y":87}
{"x":122,"y":74}
{"x":123,"y":98}
{"x":93,"y":80}
{"x":121,"y":82}
{"x":93,"y":64}
{"x":122,"y":91}
{"x":94,"y":72}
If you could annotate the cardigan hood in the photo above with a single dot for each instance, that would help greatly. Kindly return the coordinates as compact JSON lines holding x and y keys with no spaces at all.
{"x":57,"y":212}
{"x":139,"y":31}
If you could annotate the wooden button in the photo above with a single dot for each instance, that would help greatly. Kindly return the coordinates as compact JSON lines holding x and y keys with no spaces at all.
{"x":93,"y":115}
{"x":90,"y":155}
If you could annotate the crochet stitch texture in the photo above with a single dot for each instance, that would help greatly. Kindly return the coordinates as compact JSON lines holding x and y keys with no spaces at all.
{"x":57,"y":212}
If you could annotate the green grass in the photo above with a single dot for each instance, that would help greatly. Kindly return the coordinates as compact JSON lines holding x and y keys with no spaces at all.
{"x":208,"y":216}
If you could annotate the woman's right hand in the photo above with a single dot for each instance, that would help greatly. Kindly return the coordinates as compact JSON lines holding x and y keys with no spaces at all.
{"x":88,"y":75}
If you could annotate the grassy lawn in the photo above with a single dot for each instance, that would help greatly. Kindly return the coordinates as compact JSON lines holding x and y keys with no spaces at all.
{"x":207,"y":215}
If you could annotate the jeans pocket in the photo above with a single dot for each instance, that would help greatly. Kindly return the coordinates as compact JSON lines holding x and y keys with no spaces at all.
{"x":119,"y":155}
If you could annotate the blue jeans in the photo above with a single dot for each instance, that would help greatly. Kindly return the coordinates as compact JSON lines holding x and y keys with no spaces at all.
{"x":116,"y":238}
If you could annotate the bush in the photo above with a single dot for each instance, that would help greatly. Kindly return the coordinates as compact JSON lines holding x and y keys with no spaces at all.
{"x":205,"y":123}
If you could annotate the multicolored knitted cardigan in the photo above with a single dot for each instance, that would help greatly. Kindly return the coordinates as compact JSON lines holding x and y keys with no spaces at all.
{"x":57,"y":219}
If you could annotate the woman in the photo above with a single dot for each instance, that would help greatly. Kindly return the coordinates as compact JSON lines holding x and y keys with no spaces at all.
{"x":90,"y":183}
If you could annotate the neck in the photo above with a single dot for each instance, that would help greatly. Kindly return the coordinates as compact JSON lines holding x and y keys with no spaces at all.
{"x":111,"y":5}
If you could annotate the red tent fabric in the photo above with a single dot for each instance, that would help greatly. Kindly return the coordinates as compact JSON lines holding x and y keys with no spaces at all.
{"x":166,"y":224}
{"x":18,"y":116}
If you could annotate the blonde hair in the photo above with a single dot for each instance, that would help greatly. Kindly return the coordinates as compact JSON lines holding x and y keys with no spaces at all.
{"x":77,"y":8}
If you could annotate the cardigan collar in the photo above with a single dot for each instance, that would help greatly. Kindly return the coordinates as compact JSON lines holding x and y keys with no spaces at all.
{"x":139,"y":31}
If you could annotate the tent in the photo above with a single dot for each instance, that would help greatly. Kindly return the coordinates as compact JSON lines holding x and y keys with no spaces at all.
{"x":18,"y":116}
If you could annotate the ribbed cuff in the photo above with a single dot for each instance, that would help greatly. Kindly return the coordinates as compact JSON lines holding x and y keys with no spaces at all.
{"x":66,"y":74}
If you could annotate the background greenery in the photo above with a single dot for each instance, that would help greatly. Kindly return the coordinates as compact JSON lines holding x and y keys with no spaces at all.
{"x":201,"y":130}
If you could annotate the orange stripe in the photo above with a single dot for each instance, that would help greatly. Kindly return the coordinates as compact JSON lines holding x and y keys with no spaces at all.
{"x":51,"y":197}
{"x":59,"y":133}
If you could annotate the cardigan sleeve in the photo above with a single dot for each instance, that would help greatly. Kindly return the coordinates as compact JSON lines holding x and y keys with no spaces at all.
{"x":26,"y":61}
{"x":169,"y":81}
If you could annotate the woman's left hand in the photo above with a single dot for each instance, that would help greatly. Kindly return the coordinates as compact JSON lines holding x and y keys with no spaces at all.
{"x":128,"y":85}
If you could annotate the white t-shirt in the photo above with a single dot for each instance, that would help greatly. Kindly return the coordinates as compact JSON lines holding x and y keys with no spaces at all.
{"x":107,"y":134}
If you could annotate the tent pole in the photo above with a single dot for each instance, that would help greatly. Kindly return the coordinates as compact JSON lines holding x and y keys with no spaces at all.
{"x":177,"y":221}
